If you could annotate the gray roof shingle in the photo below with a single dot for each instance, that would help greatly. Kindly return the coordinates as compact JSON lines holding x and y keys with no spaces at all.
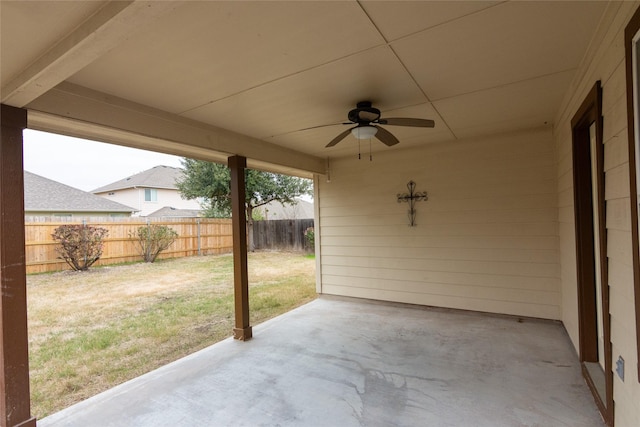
{"x":169,"y":211}
{"x":156,"y":177}
{"x":43,"y":194}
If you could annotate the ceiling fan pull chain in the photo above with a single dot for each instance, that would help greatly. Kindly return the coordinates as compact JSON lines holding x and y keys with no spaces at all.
{"x":359,"y":150}
{"x":370,"y":154}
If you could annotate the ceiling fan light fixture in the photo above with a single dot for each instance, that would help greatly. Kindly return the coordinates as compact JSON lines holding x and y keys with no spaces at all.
{"x":364,"y":132}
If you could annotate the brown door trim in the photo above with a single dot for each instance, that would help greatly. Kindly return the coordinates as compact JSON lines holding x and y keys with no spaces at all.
{"x":630,"y":31}
{"x":590,"y":112}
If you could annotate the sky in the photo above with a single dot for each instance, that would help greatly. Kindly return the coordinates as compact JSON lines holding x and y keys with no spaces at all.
{"x":85,"y":164}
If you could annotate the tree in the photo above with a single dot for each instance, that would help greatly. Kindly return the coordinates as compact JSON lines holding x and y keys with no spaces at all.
{"x":80,"y":244}
{"x":211,"y":182}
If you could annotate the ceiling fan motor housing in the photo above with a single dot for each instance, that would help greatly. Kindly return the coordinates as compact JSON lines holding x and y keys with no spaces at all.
{"x":364,"y":113}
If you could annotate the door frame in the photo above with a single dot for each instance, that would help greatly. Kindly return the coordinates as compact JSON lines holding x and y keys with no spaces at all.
{"x":630,"y":32}
{"x":590,"y":112}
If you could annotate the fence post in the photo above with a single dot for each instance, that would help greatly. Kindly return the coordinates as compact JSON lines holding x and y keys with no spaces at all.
{"x":198,"y":226}
{"x":83,"y":240}
{"x":148,"y":250}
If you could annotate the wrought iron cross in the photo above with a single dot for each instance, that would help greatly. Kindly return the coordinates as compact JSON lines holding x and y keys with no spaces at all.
{"x":412,"y":197}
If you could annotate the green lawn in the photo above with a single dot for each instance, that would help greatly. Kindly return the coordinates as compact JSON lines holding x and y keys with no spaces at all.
{"x":89,"y":331}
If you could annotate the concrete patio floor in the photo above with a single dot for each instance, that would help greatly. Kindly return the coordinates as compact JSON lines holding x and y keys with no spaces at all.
{"x":348,"y":362}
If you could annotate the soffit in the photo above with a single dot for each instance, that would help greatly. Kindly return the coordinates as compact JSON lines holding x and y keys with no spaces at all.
{"x":492,"y":110}
{"x":395,"y":22}
{"x":505,"y":44}
{"x":287,"y":73}
{"x":30,"y":27}
{"x":208,"y":51}
{"x":309,"y":99}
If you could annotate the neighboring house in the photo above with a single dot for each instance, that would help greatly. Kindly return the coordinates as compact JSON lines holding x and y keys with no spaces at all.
{"x":276,"y":210}
{"x":149,"y":191}
{"x":45,"y":197}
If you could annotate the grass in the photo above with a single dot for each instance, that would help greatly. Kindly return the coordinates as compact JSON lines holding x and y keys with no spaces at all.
{"x":89,"y":331}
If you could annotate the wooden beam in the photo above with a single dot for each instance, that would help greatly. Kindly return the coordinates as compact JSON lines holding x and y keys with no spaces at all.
{"x":15,"y":407}
{"x":77,"y":111}
{"x":243,"y":330}
{"x":107,"y":28}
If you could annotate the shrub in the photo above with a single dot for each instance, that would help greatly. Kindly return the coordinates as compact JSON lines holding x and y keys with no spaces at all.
{"x":153,"y":239}
{"x":80,"y":244}
{"x":309,"y":234}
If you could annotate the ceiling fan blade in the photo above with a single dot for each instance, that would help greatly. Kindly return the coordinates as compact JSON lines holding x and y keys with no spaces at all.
{"x":405,"y":121}
{"x":320,"y":126}
{"x":386,"y":137}
{"x":338,"y":138}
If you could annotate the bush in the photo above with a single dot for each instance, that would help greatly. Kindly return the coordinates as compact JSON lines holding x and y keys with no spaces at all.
{"x":309,"y":234}
{"x":153,"y":239}
{"x":80,"y":244}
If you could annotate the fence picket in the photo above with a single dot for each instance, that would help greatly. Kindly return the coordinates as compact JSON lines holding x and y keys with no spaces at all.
{"x":204,"y":236}
{"x":287,"y":234}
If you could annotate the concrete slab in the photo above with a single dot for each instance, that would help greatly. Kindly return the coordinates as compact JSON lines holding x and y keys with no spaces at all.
{"x":348,"y":362}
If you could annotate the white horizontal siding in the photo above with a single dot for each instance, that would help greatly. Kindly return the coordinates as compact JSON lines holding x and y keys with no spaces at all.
{"x":464,"y":302}
{"x":412,"y":267}
{"x":344,"y":277}
{"x":486,"y":239}
{"x":619,"y":215}
{"x":605,"y":62}
{"x":444,"y":253}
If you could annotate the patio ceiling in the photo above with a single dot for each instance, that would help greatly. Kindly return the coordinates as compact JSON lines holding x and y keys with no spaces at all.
{"x":210,"y":79}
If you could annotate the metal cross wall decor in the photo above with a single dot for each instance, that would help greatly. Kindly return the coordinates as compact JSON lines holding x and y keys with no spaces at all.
{"x":412,"y":197}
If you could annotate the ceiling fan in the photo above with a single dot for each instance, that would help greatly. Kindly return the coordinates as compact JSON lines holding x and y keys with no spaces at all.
{"x":367,"y":118}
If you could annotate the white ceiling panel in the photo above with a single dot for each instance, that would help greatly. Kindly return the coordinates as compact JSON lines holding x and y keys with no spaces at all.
{"x":503,"y":44}
{"x":395,"y":21}
{"x":319,"y":96}
{"x":39,"y":25}
{"x":207,"y":51}
{"x":522,"y":105}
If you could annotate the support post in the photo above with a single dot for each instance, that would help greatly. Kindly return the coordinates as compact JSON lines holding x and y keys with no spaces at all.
{"x":242,"y":330}
{"x":15,"y":406}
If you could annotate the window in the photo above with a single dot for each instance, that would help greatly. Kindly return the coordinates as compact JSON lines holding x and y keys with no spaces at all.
{"x":150,"y":195}
{"x":632,"y":56}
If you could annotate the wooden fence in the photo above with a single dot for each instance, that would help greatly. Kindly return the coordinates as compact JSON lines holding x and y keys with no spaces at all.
{"x":196,"y":236}
{"x":282,"y":234}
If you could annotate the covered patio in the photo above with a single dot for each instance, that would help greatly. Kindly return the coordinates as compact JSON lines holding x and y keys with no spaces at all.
{"x":522,"y":200}
{"x":351,"y":362}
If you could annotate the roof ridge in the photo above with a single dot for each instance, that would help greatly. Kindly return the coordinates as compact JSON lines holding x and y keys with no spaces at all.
{"x":159,"y":176}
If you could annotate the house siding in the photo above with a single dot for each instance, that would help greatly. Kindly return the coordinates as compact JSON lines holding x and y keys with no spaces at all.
{"x":605,"y":61}
{"x":128,"y":196}
{"x":76,"y":214}
{"x":135,"y":197}
{"x":486,"y":240}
